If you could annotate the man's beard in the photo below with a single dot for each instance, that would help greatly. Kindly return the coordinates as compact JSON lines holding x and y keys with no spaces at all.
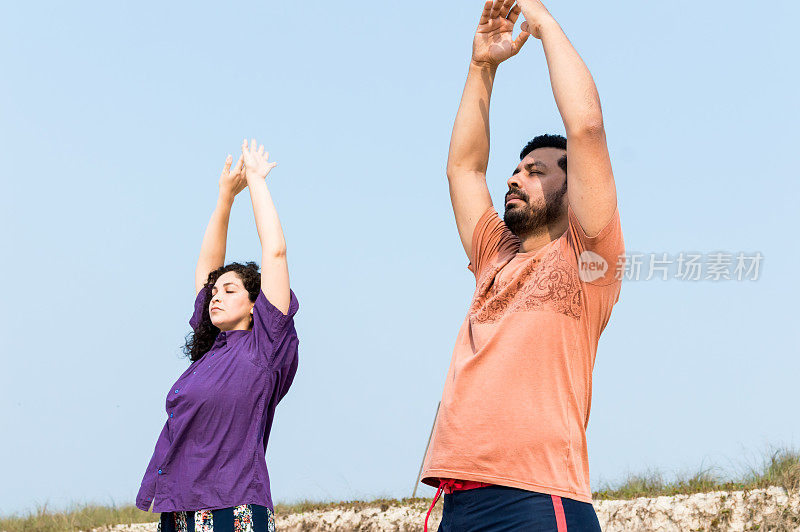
{"x":527,"y":220}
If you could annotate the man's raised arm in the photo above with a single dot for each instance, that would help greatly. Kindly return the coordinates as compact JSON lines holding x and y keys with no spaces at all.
{"x":469,"y":144}
{"x":590,"y":182}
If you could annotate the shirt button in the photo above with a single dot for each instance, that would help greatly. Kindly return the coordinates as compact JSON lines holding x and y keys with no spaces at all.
{"x":194,"y":373}
{"x":171,"y":414}
{"x":176,"y":391}
{"x":160,"y":472}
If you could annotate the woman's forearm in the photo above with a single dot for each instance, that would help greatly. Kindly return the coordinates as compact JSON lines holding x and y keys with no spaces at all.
{"x":268,"y":224}
{"x":212,"y":250}
{"x":274,"y":268}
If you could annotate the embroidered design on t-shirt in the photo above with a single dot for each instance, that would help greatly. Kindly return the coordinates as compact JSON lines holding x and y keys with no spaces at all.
{"x":549,"y":283}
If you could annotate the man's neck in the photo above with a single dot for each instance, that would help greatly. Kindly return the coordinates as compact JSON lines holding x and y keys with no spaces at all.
{"x":543,"y":236}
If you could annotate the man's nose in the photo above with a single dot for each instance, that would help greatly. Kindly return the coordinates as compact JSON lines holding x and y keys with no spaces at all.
{"x":513,"y":181}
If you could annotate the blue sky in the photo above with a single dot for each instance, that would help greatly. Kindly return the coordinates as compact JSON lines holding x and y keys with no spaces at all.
{"x":118,"y":117}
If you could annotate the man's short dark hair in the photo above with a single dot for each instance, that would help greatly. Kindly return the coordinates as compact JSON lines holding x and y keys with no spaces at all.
{"x":547,"y":141}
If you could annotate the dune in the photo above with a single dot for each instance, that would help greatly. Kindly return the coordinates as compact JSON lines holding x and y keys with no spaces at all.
{"x":772,"y":508}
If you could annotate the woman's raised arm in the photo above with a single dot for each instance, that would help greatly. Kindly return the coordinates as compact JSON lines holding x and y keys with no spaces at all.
{"x":274,"y":269}
{"x":212,"y":250}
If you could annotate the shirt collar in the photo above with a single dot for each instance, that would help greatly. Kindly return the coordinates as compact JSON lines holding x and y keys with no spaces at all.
{"x":224,"y":336}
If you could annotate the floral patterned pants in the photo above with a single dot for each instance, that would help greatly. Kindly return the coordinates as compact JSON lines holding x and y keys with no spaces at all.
{"x":244,"y":518}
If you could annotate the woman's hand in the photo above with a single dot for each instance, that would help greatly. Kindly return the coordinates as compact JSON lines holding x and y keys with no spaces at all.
{"x":494,"y":42}
{"x":256,"y":161}
{"x":231,"y":182}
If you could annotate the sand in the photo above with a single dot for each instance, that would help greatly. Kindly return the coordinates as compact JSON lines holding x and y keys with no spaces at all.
{"x":770,"y":509}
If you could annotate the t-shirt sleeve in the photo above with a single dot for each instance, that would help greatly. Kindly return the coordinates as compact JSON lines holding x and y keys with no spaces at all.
{"x":599,"y":258}
{"x":273,"y":331}
{"x":490,"y":239}
{"x":200,"y":307}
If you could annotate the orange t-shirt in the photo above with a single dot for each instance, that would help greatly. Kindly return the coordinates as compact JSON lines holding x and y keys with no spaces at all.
{"x":519,"y":389}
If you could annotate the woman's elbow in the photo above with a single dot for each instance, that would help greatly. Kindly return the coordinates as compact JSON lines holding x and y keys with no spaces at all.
{"x":275,"y":252}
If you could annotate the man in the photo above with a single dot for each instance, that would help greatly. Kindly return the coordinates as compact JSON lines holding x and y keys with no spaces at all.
{"x":509,"y":445}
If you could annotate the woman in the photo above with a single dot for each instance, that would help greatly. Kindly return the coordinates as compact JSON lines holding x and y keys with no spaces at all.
{"x":208,"y":471}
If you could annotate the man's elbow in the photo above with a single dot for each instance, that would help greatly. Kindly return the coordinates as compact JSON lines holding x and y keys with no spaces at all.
{"x":589,"y":127}
{"x":460,"y":173}
{"x":451,"y":171}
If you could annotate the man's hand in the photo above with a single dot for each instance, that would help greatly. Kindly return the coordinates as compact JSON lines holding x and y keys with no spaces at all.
{"x":231,"y":182}
{"x":536,"y":16}
{"x":493,"y":41}
{"x":256,"y":161}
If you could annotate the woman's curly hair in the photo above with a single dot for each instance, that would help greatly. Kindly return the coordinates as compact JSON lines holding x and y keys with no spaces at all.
{"x":200,"y":341}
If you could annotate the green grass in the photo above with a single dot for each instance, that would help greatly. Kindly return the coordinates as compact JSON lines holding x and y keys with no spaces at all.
{"x":780,"y":468}
{"x":78,"y":517}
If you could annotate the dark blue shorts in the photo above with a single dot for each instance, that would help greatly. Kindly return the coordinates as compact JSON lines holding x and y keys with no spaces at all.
{"x":498,"y":508}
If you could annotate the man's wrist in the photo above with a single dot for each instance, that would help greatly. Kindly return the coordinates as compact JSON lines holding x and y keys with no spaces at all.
{"x":483,"y":66}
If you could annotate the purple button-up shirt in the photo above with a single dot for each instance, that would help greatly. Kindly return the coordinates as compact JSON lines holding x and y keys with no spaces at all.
{"x":211,"y":451}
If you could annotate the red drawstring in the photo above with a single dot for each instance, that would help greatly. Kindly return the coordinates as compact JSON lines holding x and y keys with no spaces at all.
{"x":435,"y":498}
{"x":449,"y":485}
